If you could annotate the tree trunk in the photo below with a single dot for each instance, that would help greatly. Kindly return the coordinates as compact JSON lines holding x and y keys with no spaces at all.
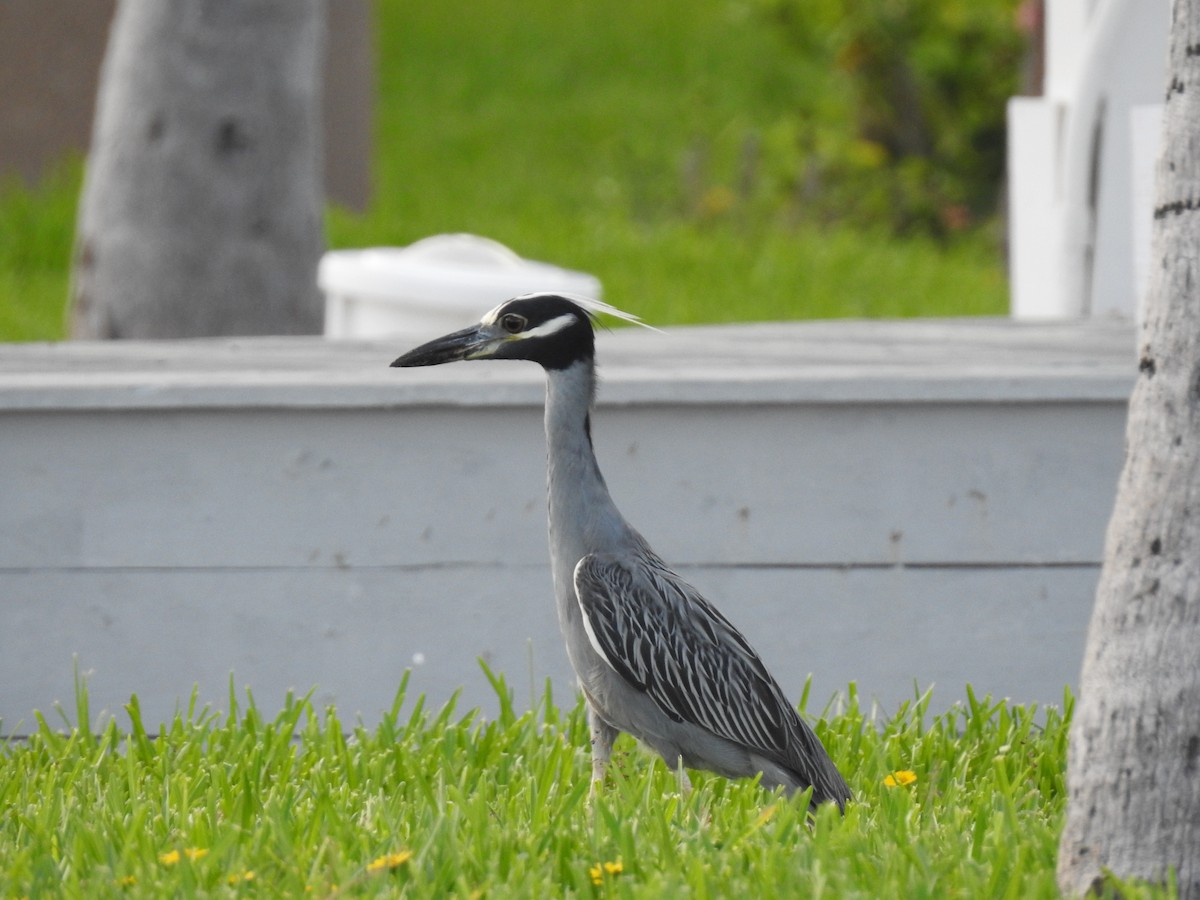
{"x":1134,"y":763}
{"x":201,"y":211}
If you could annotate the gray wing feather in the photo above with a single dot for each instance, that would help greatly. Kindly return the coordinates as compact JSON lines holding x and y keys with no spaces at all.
{"x":664,"y":638}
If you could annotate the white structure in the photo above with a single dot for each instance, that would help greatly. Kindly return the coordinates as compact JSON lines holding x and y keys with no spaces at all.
{"x":436,"y":285}
{"x":1081,"y":160}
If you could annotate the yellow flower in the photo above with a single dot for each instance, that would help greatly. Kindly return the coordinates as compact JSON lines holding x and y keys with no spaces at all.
{"x":598,"y":871}
{"x":126,"y":881}
{"x":245,"y":876}
{"x":389,"y":861}
{"x":172,"y":857}
{"x":901,"y":778}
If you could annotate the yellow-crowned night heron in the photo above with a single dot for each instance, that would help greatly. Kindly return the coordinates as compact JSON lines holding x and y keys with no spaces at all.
{"x":653,"y":657}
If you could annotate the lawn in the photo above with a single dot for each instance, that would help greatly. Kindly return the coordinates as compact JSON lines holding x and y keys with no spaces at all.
{"x":36,"y":225}
{"x":647,"y":143}
{"x":435,"y":803}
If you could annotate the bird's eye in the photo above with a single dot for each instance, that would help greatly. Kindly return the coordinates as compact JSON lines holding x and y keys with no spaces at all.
{"x":512,"y":323}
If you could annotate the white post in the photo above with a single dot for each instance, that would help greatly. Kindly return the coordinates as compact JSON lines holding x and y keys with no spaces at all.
{"x":1066,"y":22}
{"x":1073,"y":166}
{"x":1033,"y":141}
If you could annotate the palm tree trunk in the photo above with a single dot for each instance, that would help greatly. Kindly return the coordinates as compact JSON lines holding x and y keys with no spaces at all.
{"x":202,"y":205}
{"x":1134,"y":762}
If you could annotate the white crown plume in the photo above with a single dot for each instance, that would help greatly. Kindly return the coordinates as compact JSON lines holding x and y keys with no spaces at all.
{"x":594,"y":307}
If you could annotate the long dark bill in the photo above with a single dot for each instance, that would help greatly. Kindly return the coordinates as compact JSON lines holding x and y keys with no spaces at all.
{"x":448,"y":348}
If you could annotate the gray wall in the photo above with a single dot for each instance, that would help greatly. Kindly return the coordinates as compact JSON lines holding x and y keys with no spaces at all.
{"x":299,"y":515}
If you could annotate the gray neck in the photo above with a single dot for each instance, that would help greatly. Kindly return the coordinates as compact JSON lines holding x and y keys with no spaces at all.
{"x":582,"y":516}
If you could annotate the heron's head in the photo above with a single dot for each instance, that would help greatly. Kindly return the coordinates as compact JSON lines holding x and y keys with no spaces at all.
{"x":552,"y":330}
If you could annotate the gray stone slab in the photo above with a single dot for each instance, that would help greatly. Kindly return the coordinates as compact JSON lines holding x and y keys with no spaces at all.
{"x":833,"y":362}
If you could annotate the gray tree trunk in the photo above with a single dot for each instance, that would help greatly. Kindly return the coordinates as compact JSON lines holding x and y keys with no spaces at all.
{"x":1134,"y":763}
{"x":202,"y":204}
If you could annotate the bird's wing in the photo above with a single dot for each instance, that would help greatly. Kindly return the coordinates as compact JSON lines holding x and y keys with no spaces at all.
{"x":659,"y":634}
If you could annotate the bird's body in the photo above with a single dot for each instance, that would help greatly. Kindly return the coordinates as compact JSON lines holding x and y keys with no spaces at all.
{"x":654,"y":659}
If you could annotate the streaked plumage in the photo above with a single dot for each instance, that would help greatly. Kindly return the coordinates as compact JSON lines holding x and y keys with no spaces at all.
{"x":653,"y":657}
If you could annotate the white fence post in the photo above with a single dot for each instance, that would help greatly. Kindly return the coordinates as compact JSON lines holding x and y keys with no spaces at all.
{"x":1074,"y":154}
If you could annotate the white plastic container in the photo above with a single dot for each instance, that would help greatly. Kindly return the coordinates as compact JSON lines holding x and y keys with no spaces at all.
{"x":435,"y":285}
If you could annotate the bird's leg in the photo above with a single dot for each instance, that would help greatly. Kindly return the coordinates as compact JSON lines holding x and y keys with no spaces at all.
{"x":685,"y":783}
{"x":703,"y":816}
{"x":603,"y":736}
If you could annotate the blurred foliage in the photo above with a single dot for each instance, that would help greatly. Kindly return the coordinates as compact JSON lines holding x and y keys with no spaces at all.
{"x":904,"y":115}
{"x":36,"y":227}
{"x":707,"y":160}
{"x":661,"y":146}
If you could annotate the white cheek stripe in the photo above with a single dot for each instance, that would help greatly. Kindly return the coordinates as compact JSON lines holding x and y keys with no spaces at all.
{"x":554,"y":326}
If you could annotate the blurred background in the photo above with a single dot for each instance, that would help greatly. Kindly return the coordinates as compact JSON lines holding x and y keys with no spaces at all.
{"x":723,"y":160}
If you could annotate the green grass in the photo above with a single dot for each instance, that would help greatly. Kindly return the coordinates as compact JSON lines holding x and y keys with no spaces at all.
{"x":606,"y":137}
{"x":36,"y":228}
{"x":499,"y":808}
{"x":614,"y":141}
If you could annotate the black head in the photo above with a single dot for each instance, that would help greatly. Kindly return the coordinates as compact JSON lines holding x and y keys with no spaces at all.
{"x":548,"y":329}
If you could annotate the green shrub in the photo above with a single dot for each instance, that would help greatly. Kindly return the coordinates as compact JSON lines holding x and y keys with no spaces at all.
{"x":698,"y":160}
{"x":905,"y":119}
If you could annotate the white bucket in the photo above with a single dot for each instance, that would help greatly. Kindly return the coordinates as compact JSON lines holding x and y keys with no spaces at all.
{"x":438,"y":284}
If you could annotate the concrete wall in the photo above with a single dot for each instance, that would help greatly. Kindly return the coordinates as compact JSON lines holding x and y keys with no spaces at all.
{"x":298,"y":514}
